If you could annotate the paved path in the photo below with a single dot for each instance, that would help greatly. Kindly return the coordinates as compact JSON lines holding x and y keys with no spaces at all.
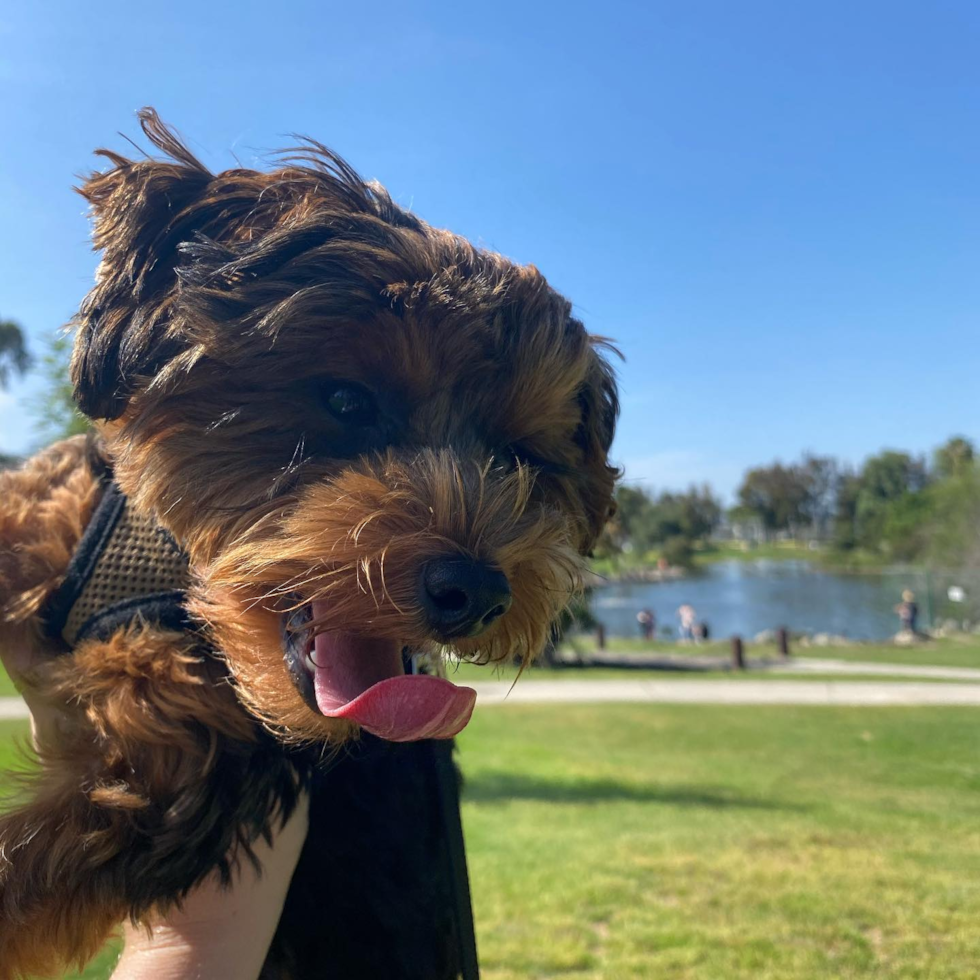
{"x":693,"y":664}
{"x":12,"y":708}
{"x":728,"y":692}
{"x":814,"y":665}
{"x":681,"y":691}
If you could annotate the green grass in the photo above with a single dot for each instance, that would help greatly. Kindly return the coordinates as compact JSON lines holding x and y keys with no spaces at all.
{"x":101,"y":967}
{"x":465,"y":673}
{"x":709,"y":554}
{"x":822,"y":555}
{"x":470,"y":674}
{"x":951,"y":652}
{"x":615,"y":565}
{"x":772,"y":551}
{"x":855,"y":560}
{"x":694,"y":843}
{"x":7,"y":689}
{"x":12,"y":732}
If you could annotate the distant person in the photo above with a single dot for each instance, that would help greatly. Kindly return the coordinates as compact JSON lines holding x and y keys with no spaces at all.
{"x":647,"y":622}
{"x":702,"y":632}
{"x":908,"y":612}
{"x":687,"y":617}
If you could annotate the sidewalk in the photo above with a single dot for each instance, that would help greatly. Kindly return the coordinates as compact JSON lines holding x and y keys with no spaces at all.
{"x":803,"y":665}
{"x":11,"y":708}
{"x":854,"y":693}
{"x":723,"y":691}
{"x":693,"y":664}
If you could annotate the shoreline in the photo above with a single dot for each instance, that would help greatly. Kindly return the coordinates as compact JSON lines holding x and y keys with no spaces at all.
{"x":641,"y":574}
{"x":652,"y":573}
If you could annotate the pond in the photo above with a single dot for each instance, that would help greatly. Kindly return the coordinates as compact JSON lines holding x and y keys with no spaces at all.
{"x":747,"y":597}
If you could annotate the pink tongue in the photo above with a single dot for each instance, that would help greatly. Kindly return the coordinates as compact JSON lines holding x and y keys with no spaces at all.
{"x":363,"y":680}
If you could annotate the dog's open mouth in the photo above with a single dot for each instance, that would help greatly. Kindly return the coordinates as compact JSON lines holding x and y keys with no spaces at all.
{"x":363,"y":680}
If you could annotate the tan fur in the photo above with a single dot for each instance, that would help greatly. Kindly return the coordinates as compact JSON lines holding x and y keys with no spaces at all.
{"x":351,"y":541}
{"x":44,"y":507}
{"x":141,"y":717}
{"x":143,"y":727}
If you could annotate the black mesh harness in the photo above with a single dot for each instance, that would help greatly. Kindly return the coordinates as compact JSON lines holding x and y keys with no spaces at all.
{"x":126,"y":568}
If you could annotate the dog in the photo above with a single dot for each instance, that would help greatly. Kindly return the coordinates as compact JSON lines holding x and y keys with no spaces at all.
{"x":351,"y":442}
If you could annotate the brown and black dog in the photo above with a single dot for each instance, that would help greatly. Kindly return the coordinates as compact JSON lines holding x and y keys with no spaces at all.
{"x":371,"y":441}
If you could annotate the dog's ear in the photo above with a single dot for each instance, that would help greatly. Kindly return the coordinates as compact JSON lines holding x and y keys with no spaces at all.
{"x":142,"y":211}
{"x":599,"y":402}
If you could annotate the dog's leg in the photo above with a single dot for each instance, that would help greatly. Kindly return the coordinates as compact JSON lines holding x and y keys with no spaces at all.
{"x":58,"y":899}
{"x":156,"y":779}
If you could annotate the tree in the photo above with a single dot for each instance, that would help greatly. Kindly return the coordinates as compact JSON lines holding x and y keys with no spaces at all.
{"x":884,"y":507}
{"x":777,"y":495}
{"x":644,"y":521}
{"x":891,"y":474}
{"x":630,"y":528}
{"x":845,"y":510}
{"x":885,"y":479}
{"x":57,"y":415}
{"x":700,"y":512}
{"x":954,"y":458}
{"x":954,"y":520}
{"x":14,"y":355}
{"x":821,"y":477}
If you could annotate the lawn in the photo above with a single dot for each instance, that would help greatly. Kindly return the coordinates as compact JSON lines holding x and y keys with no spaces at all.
{"x":771,"y":551}
{"x":718,"y":843}
{"x":472,"y":673}
{"x":959,"y":651}
{"x":7,"y":689}
{"x":952,"y":652}
{"x":727,"y":843}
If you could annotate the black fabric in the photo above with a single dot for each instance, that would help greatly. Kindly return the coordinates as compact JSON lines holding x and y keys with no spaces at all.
{"x":376,"y":894}
{"x":447,"y":783}
{"x":163,"y":608}
{"x":83,"y":561}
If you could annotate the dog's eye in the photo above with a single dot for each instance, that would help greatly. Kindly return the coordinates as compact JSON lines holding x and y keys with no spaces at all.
{"x":351,"y":404}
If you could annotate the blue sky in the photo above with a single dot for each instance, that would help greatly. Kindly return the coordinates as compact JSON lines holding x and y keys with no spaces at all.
{"x":773,"y":207}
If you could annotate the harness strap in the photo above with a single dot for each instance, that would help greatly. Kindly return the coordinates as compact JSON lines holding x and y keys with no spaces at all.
{"x":125,"y":568}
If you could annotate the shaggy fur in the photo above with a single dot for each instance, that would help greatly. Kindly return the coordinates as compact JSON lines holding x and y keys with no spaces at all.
{"x":226,"y":308}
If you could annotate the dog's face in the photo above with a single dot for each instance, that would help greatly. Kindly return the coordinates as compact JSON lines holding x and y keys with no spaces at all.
{"x":372,"y":438}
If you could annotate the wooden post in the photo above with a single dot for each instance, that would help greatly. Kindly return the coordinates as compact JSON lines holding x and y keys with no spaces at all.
{"x":782,"y":641}
{"x":600,"y":636}
{"x":738,"y":653}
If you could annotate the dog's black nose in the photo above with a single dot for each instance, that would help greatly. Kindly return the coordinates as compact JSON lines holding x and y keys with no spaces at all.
{"x":462,"y":597}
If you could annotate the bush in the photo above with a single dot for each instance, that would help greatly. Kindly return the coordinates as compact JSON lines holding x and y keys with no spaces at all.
{"x":678,"y":551}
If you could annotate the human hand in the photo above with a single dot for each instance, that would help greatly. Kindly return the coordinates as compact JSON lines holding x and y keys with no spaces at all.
{"x":220,"y":933}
